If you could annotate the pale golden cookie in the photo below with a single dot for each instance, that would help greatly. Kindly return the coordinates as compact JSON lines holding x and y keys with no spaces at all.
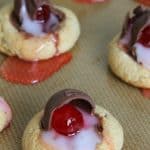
{"x":126,"y":68}
{"x":112,"y":133}
{"x":13,"y":42}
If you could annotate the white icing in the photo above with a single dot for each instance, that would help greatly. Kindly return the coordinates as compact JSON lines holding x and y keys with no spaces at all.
{"x":52,"y":21}
{"x":86,"y":139}
{"x":88,"y":119}
{"x":55,"y":140}
{"x":143,"y":55}
{"x":29,"y":25}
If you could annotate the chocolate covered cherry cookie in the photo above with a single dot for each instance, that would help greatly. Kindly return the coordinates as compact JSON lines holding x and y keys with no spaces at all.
{"x":37,"y":29}
{"x":71,"y":121}
{"x":130,"y":51}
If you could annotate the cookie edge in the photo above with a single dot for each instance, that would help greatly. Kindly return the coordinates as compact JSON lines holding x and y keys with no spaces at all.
{"x":127,"y":69}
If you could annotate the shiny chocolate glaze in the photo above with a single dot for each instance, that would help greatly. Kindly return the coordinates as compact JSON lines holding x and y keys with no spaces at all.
{"x":71,"y":96}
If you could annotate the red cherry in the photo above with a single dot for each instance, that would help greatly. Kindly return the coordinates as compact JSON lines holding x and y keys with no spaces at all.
{"x":43,"y":13}
{"x":67,"y":120}
{"x":144,"y":38}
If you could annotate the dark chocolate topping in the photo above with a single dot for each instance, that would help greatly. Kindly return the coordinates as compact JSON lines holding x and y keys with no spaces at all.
{"x":32,"y":7}
{"x":71,"y":96}
{"x":15,"y":14}
{"x":140,"y":19}
{"x":125,"y":26}
{"x":136,"y":23}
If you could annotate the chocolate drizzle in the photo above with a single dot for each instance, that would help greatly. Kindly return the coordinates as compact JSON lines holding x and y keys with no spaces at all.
{"x":133,"y":26}
{"x":126,"y":25}
{"x":74,"y":97}
{"x":32,"y":6}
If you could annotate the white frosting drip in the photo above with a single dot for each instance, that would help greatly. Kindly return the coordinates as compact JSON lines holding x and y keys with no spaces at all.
{"x":86,"y":139}
{"x":89,"y":121}
{"x":143,"y":55}
{"x":29,"y":25}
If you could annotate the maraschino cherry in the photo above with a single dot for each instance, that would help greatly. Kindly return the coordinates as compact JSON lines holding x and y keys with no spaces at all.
{"x":67,"y":120}
{"x":144,"y":38}
{"x":43,"y":13}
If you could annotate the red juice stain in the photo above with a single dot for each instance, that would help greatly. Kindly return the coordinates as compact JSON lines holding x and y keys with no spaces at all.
{"x":91,"y":1}
{"x":145,"y":93}
{"x":144,"y":2}
{"x":17,"y":70}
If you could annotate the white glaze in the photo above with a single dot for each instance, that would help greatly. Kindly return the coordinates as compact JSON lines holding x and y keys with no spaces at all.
{"x":89,"y":121}
{"x":143,"y":55}
{"x":86,"y":139}
{"x":28,"y":25}
{"x":51,"y":22}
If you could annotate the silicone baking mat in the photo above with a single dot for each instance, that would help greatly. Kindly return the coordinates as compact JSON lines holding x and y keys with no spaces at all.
{"x":89,"y":72}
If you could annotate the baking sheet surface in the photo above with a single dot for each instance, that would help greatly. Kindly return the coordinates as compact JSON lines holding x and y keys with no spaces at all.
{"x":88,"y":71}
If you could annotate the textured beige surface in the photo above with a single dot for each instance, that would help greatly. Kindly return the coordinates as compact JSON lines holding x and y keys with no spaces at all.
{"x":112,"y":133}
{"x":89,"y":72}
